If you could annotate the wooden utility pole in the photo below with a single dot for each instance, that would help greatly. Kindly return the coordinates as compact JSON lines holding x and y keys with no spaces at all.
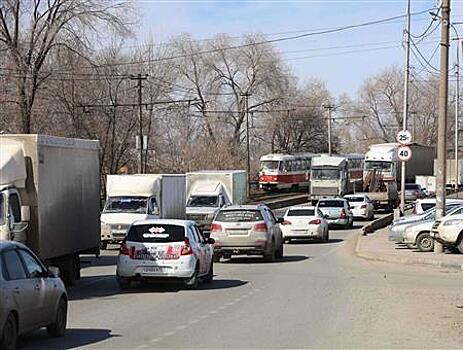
{"x":442,"y":120}
{"x":139,"y":78}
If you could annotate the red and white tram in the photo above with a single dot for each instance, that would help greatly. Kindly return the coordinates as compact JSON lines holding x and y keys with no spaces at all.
{"x":284,"y":171}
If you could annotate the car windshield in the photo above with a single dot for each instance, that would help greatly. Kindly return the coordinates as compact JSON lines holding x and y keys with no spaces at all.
{"x":355,"y":199}
{"x":378,"y":165}
{"x":239,"y":216}
{"x":427,"y":206}
{"x":331,"y":204}
{"x":156,"y":233}
{"x":269,"y":165}
{"x":126,"y":204}
{"x":301,"y":212}
{"x":203,"y":201}
{"x":2,"y":203}
{"x":325,"y":174}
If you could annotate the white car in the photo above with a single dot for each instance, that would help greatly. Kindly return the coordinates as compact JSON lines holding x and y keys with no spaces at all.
{"x":165,"y":249}
{"x":304,"y":222}
{"x":449,"y":231}
{"x":419,"y":234}
{"x":361,"y":206}
{"x":422,"y":205}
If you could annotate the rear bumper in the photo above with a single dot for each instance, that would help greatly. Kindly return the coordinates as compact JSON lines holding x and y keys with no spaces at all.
{"x":338,"y":222}
{"x":302,"y":234}
{"x":239,"y":250}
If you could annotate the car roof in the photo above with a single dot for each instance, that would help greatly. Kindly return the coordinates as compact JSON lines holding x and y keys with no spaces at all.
{"x":164,"y":222}
{"x":302,"y":207}
{"x":10,"y":244}
{"x":433,"y":200}
{"x":333,"y":199}
{"x":245,"y":207}
{"x":356,"y":195}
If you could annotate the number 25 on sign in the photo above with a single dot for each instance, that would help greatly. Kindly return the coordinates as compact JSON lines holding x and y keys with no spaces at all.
{"x":404,"y":153}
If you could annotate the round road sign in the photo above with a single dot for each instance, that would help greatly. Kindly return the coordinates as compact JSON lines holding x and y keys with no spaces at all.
{"x":404,"y":153}
{"x":404,"y":137}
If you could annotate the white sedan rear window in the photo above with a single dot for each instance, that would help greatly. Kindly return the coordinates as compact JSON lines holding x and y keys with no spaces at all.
{"x":301,"y":212}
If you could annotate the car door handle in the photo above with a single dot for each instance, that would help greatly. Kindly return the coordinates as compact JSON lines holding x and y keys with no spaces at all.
{"x":16,"y":290}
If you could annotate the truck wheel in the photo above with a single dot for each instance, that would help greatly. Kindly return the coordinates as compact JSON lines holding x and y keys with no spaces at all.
{"x":424,"y":242}
{"x":9,"y":336}
{"x":58,"y":327}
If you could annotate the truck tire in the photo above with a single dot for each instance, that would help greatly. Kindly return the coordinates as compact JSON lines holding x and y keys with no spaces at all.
{"x":424,"y":242}
{"x":9,"y":335}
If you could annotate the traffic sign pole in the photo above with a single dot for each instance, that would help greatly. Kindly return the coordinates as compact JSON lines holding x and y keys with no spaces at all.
{"x":404,"y":137}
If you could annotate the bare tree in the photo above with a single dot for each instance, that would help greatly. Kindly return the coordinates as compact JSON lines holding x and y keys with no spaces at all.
{"x":32,"y":30}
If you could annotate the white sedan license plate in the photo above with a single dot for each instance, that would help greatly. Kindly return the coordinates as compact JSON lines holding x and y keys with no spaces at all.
{"x":154,"y":269}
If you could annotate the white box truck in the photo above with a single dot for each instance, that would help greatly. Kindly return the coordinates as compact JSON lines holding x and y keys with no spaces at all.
{"x":130,"y":198}
{"x":209,"y":190}
{"x":427,"y":182}
{"x":49,"y":198}
{"x":450,"y":172}
{"x":382,"y":171}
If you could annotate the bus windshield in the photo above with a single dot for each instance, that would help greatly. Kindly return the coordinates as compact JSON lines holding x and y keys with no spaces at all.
{"x":378,"y":165}
{"x":325,"y":174}
{"x":270,"y":165}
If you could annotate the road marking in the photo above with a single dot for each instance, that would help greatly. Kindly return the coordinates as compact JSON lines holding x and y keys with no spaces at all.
{"x":168,"y":334}
{"x":193,"y":321}
{"x":156,"y":340}
{"x":181,"y":327}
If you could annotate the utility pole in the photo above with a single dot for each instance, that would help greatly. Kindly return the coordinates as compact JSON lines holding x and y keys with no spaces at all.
{"x":405,"y":110}
{"x":329,"y":108}
{"x":457,"y":113}
{"x":442,"y":120}
{"x":139,"y":78}
{"x":248,"y":153}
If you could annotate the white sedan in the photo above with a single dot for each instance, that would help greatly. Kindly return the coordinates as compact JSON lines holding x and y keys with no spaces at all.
{"x":449,"y":231}
{"x":361,"y":206}
{"x":165,"y":249}
{"x":304,"y":222}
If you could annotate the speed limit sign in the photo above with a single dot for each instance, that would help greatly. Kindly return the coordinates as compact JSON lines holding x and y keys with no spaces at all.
{"x":404,"y":137}
{"x":404,"y":153}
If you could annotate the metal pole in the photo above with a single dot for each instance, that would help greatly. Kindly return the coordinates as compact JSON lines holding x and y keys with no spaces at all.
{"x":405,"y":107}
{"x":248,"y":153}
{"x":329,"y":108}
{"x":442,"y":120}
{"x":457,"y":112}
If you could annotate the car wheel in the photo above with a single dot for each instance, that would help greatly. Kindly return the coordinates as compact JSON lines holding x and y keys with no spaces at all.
{"x":327,"y":236}
{"x":210,"y":275}
{"x":270,"y":256}
{"x":123,"y":282}
{"x":9,"y":336}
{"x":460,"y":243}
{"x":58,"y":327}
{"x":280,"y":252}
{"x":193,"y":281}
{"x":424,"y":242}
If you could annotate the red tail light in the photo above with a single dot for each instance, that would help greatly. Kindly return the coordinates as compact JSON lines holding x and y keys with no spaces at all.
{"x":315,"y":222}
{"x":124,"y":250}
{"x":216,"y":228}
{"x":261,"y":227}
{"x":286,"y":222}
{"x":343,"y":213}
{"x":364,"y":206}
{"x":186,"y":249}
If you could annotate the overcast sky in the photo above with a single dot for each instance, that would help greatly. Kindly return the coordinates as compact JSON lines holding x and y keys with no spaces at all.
{"x":343,"y":60}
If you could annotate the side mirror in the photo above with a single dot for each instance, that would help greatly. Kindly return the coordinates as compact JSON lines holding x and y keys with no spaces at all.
{"x":25,"y":213}
{"x":280,"y":220}
{"x":53,"y":271}
{"x":210,"y":240}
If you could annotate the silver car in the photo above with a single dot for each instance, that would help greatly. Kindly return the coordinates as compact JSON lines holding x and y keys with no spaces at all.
{"x":31,"y":296}
{"x":248,"y":230}
{"x":337,"y":211}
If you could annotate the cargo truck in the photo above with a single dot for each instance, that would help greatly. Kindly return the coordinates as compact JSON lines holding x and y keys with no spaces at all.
{"x":208,"y":191}
{"x":49,"y":198}
{"x":450,"y":172}
{"x":382,"y":171}
{"x":130,"y":198}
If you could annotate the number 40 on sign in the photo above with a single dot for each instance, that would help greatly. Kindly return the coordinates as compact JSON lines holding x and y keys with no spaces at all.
{"x":404,"y":153}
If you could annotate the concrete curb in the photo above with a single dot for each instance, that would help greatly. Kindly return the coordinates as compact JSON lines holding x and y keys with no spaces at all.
{"x":287,"y":202}
{"x":405,"y":260}
{"x":378,"y":223}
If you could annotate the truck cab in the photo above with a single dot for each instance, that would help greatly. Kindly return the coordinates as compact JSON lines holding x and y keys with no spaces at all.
{"x":14,"y":217}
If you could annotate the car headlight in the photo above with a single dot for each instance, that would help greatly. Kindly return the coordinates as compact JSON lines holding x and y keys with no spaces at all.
{"x":452,"y":222}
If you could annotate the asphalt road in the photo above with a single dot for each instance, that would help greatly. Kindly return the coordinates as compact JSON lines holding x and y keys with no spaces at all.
{"x":319,"y":296}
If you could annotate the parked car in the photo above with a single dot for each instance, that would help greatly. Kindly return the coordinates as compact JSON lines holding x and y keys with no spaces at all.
{"x":337,"y":211}
{"x":398,"y":226}
{"x":361,"y":206}
{"x":165,"y":249}
{"x":31,"y":296}
{"x":421,"y":205}
{"x":412,"y":192}
{"x":304,"y":222}
{"x":249,"y":230}
{"x":420,"y":234}
{"x":449,"y":231}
